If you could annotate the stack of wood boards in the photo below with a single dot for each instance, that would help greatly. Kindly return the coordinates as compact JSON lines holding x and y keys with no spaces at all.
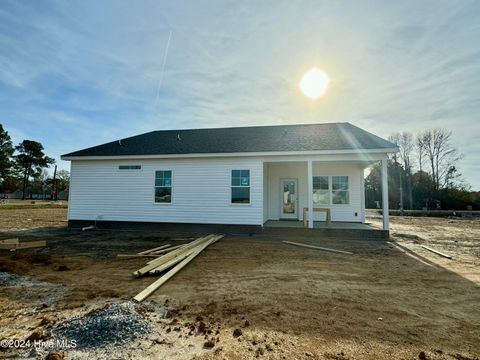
{"x":15,"y":244}
{"x":177,"y":258}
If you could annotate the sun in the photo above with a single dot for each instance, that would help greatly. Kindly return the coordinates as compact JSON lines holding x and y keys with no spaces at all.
{"x":314,"y":83}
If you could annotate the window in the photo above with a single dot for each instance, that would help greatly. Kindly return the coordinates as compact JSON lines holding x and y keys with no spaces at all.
{"x":163,"y":186}
{"x":129,"y":167}
{"x":340,"y":190}
{"x":240,"y":186}
{"x":321,"y":190}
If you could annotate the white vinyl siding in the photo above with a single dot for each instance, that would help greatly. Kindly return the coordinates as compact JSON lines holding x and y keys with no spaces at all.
{"x":201,"y":192}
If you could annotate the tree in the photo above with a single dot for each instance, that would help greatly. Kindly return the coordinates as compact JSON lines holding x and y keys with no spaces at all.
{"x":441,"y":155}
{"x":6,"y":153}
{"x":31,"y":159}
{"x":406,"y":146}
{"x":63,"y":180}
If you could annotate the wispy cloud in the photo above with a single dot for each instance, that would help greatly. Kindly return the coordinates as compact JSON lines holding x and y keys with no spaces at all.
{"x":75,"y":74}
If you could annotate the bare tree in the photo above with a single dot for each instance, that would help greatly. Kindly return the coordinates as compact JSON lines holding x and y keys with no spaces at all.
{"x":420,"y":151}
{"x":441,"y":155}
{"x":395,"y":138}
{"x":406,"y":146}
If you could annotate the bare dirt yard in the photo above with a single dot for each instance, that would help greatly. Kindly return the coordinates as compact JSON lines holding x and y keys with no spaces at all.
{"x":244,"y":297}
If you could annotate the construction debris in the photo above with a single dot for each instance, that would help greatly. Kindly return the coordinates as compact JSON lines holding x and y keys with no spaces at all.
{"x":150,"y":253}
{"x":178,"y":258}
{"x":437,"y":252}
{"x":114,"y":324}
{"x":15,"y":244}
{"x":318,"y":248}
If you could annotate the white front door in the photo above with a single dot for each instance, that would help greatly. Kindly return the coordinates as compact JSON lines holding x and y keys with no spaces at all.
{"x":289,"y":199}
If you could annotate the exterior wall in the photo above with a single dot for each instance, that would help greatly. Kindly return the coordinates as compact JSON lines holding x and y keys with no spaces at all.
{"x":352,"y":212}
{"x":201,"y":191}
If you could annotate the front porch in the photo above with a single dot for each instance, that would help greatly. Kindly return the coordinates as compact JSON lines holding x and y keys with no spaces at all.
{"x":317,"y":186}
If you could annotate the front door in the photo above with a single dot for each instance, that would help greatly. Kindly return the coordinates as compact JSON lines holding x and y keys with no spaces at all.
{"x":289,"y":199}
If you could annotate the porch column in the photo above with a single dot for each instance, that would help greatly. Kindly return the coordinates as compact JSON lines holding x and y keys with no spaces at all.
{"x":310,"y":193}
{"x":385,"y":209}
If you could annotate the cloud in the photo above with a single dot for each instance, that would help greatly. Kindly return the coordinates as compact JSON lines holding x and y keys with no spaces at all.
{"x":75,"y":74}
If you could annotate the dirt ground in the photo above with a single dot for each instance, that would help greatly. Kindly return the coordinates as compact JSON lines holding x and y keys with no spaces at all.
{"x":255,"y":297}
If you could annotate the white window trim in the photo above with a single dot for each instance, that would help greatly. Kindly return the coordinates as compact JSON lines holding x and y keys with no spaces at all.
{"x":330,"y":192}
{"x":171,"y":186}
{"x":249,"y":186}
{"x":347,"y":191}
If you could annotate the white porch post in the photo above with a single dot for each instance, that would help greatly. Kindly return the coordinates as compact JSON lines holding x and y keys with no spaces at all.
{"x":362,"y":195}
{"x":310,"y":193}
{"x":385,"y":209}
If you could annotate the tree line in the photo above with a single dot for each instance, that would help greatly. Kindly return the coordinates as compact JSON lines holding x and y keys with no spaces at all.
{"x":424,"y":174}
{"x":24,"y":167}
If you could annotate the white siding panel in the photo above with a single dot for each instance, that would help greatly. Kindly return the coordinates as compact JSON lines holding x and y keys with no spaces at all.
{"x":200,"y":193}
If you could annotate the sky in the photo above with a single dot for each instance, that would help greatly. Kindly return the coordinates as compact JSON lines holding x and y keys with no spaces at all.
{"x":74,"y":74}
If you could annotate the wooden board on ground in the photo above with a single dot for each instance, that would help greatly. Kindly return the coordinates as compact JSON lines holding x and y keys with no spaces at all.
{"x":9,"y":241}
{"x":24,"y":245}
{"x":171,"y":255}
{"x":133,"y":256}
{"x":437,"y":252}
{"x":163,"y":279}
{"x":318,"y":248}
{"x":154,"y":249}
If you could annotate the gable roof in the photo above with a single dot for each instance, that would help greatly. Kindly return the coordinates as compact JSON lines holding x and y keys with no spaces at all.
{"x":277,"y":138}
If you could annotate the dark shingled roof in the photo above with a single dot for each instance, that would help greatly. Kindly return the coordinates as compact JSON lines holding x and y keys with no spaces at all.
{"x":308,"y":137}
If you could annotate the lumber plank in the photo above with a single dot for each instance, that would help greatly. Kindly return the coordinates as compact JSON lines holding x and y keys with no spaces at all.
{"x":408,"y":252}
{"x":31,"y":244}
{"x":172,"y":262}
{"x":25,"y":245}
{"x":437,"y":252}
{"x":318,"y":248}
{"x":163,"y":251}
{"x":167,"y":257}
{"x":9,"y":241}
{"x":163,"y":279}
{"x":132,"y":256}
{"x":177,"y":259}
{"x":154,"y":249}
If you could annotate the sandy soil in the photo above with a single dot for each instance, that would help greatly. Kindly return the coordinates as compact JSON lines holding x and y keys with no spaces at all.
{"x":255,"y":297}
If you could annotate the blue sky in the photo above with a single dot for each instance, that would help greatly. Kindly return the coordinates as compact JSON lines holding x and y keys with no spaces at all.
{"x":78,"y":73}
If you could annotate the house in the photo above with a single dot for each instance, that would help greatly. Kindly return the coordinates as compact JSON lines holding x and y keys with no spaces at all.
{"x":237,"y":176}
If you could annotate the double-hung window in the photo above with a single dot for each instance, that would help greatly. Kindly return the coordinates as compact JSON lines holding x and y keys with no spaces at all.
{"x":321,"y":190}
{"x":240,"y":187}
{"x":340,"y":190}
{"x":163,"y":186}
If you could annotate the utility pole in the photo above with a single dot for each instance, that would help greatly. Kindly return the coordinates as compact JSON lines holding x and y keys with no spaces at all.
{"x":54,"y":184}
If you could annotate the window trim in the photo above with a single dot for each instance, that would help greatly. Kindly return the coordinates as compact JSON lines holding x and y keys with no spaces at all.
{"x":329,"y":191}
{"x":249,"y":186}
{"x":171,"y":187}
{"x":346,"y":191}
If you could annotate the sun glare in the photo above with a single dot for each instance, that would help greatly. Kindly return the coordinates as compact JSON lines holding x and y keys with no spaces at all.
{"x":314,"y":83}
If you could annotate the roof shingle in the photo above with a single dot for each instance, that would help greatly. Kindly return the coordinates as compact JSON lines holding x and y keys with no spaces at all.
{"x":278,"y":138}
